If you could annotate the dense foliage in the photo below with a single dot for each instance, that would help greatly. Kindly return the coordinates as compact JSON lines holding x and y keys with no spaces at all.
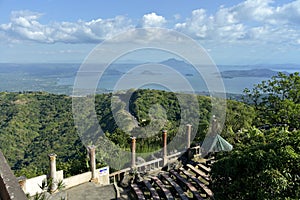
{"x":264,"y":131}
{"x":265,"y":162}
{"x":277,"y":101}
{"x":34,"y":124}
{"x":264,"y":165}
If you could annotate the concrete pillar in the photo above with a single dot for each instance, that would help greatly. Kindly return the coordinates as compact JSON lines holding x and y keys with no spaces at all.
{"x":188,"y":145}
{"x":165,"y":153}
{"x":92,"y":156}
{"x":214,"y":126}
{"x":22,"y":182}
{"x":52,"y":159}
{"x":188,"y":132}
{"x":133,"y":149}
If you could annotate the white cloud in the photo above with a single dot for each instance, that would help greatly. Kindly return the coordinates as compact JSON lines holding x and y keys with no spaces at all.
{"x":221,"y":26}
{"x":288,"y":13}
{"x":153,"y":20}
{"x":257,"y":10}
{"x":263,"y":11}
{"x":251,"y":21}
{"x":24,"y":25}
{"x":196,"y":26}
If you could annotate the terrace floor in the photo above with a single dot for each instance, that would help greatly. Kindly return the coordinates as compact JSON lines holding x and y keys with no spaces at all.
{"x":89,"y":191}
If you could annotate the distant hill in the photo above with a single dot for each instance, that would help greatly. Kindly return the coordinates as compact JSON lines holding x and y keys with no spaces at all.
{"x":181,"y":66}
{"x":174,"y":62}
{"x":264,"y":73}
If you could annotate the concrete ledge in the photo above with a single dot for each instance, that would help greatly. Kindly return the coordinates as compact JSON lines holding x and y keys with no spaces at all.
{"x":77,"y":179}
{"x":9,"y":186}
{"x":32,"y":186}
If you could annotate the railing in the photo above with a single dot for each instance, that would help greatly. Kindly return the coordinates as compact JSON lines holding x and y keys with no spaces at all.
{"x":174,"y":157}
{"x":118,"y":175}
{"x":197,"y":150}
{"x":148,"y":166}
{"x":144,"y":167}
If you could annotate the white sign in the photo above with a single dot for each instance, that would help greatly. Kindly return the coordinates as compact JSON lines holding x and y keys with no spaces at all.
{"x":103,"y":171}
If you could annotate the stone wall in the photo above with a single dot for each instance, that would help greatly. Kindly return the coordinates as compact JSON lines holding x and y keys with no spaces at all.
{"x":9,"y":186}
{"x":77,"y":180}
{"x":32,"y":186}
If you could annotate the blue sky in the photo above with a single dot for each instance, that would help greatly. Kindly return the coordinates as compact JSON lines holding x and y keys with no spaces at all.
{"x":232,"y":32}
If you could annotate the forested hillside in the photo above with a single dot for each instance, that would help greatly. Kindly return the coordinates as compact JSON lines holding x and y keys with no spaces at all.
{"x":264,"y":131}
{"x":34,"y":124}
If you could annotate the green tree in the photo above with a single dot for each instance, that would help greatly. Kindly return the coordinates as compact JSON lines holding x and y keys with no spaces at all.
{"x":277,"y":101}
{"x":266,"y":168}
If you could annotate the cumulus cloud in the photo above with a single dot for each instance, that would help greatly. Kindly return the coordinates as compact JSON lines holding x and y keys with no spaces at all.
{"x":251,"y":20}
{"x":197,"y":25}
{"x":153,"y":20}
{"x":25,"y":25}
{"x":222,"y":25}
{"x":258,"y":10}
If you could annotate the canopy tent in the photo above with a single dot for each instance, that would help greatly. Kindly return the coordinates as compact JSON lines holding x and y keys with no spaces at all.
{"x":215,"y":144}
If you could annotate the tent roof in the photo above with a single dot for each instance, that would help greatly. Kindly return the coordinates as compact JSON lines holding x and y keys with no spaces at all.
{"x":216,"y":144}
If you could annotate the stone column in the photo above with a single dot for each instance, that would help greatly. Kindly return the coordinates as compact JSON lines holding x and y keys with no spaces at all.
{"x":92,"y":156}
{"x":165,"y":153}
{"x":133,"y":148}
{"x":22,"y":182}
{"x":214,"y":126}
{"x":188,"y":145}
{"x":52,"y":159}
{"x":188,"y":132}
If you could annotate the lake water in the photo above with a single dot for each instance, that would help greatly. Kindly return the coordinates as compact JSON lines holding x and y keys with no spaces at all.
{"x":59,"y":78}
{"x":231,"y":85}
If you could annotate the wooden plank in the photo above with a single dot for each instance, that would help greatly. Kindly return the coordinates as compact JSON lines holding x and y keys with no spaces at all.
{"x":166,"y":192}
{"x":196,"y":194}
{"x":210,"y":162}
{"x":203,"y":167}
{"x":176,"y":187}
{"x":138,"y":193}
{"x":152,"y":190}
{"x":198,"y":172}
{"x":205,"y":189}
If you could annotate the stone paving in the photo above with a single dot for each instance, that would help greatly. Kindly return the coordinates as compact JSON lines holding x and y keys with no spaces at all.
{"x":89,"y":191}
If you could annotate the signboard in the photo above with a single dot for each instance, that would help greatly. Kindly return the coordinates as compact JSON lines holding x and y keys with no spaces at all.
{"x":103,"y":171}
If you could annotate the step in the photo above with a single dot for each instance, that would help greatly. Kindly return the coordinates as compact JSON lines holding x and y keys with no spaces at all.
{"x":166,"y":191}
{"x":138,"y":193}
{"x":152,"y":190}
{"x":207,"y":191}
{"x":204,"y":168}
{"x":196,"y":194}
{"x":198,"y":172}
{"x":176,"y":187}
